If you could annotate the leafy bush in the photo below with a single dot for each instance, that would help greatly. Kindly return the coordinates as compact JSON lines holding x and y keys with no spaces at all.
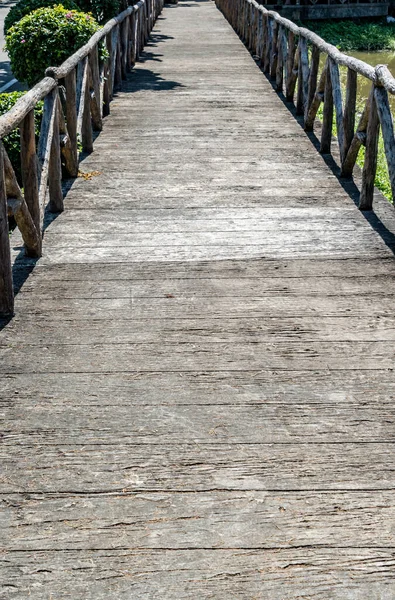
{"x":24,"y":7}
{"x":11,"y":141}
{"x":361,"y":35}
{"x":46,"y":37}
{"x":102,"y":10}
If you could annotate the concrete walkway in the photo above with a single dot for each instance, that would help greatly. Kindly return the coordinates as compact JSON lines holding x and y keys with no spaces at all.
{"x":198,"y":384}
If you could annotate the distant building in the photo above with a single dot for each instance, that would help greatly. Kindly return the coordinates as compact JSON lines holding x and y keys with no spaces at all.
{"x":328,"y":9}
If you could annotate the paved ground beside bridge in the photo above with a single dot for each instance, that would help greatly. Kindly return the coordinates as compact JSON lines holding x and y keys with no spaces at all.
{"x":198,"y":386}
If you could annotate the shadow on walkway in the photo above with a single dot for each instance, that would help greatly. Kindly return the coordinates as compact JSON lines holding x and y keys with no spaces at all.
{"x":348,"y":184}
{"x":137,"y":80}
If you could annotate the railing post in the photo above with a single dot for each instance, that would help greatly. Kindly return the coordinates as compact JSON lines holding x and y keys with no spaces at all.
{"x":268,"y":49}
{"x":29,"y":165}
{"x":84,"y":122}
{"x":95,"y":80}
{"x":124,"y":43}
{"x":290,"y":74}
{"x":338,"y":104}
{"x":314,"y":65}
{"x":387,"y":129}
{"x":303,"y":76}
{"x":281,"y":55}
{"x":273,"y":53}
{"x":109,"y":83}
{"x":327,"y":121}
{"x":6,"y":285}
{"x":55,"y":164}
{"x":71,"y":119}
{"x":133,"y":23}
{"x":370,"y":163}
{"x":349,"y":110}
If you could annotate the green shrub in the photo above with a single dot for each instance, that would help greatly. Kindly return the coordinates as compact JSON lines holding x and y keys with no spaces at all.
{"x":24,"y":7}
{"x":46,"y":37}
{"x":102,"y":10}
{"x":11,"y":141}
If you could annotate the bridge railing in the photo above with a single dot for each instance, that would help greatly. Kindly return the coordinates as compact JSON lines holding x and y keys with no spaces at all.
{"x":291,"y":56}
{"x":76,"y":97}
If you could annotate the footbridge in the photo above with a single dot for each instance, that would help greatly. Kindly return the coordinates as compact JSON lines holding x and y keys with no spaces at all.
{"x":196,"y":363}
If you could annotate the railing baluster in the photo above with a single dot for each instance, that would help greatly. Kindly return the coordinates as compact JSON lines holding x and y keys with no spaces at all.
{"x":281,"y":52}
{"x":118,"y":61}
{"x":29,"y":167}
{"x":109,"y":77}
{"x":303,"y":76}
{"x":312,"y":85}
{"x":315,"y":104}
{"x":273,"y":52}
{"x":133,"y":39}
{"x":6,"y":284}
{"x":327,"y":121}
{"x":291,"y":73}
{"x":259,"y":50}
{"x":387,"y":128}
{"x":370,"y":164}
{"x":55,"y":165}
{"x":338,"y":104}
{"x":84,"y":122}
{"x":357,"y":141}
{"x":124,"y":40}
{"x":349,"y":110}
{"x":44,"y":147}
{"x":71,"y":118}
{"x":268,"y":46}
{"x":95,"y":97}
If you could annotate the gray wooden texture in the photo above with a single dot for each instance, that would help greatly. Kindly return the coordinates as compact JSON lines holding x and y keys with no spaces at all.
{"x":197,"y":390}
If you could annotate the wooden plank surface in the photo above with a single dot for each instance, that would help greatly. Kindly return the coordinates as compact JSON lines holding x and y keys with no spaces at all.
{"x":197,"y":390}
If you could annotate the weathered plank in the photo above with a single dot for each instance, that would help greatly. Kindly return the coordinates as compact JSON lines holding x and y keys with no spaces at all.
{"x":279,"y":306}
{"x":230,"y":573}
{"x":190,"y":520}
{"x":199,"y":387}
{"x":173,"y":331}
{"x":258,"y":424}
{"x":231,"y":269}
{"x":212,"y":287}
{"x":47,"y":468}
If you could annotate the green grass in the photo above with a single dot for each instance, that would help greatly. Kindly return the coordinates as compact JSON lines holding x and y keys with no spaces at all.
{"x":361,"y":35}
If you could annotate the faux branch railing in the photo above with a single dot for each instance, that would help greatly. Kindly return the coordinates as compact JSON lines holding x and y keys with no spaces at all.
{"x":291,"y":56}
{"x":76,"y":96}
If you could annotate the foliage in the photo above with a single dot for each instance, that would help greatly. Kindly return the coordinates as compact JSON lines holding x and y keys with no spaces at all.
{"x":12,"y":140}
{"x":24,"y":7}
{"x":356,"y":35}
{"x":46,"y":37}
{"x":102,"y":10}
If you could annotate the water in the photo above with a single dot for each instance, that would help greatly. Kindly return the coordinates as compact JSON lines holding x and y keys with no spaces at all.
{"x":374,"y":58}
{"x":364,"y":84}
